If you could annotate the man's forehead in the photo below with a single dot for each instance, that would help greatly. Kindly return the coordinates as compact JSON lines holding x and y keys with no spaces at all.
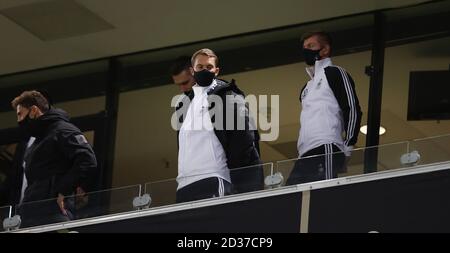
{"x":312,"y":39}
{"x":20,"y":108}
{"x":204,"y":59}
{"x":183,"y":75}
{"x":185,"y":72}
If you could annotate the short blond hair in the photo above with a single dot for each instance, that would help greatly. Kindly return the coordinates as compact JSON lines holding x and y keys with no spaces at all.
{"x":323,"y":37}
{"x":207,"y":52}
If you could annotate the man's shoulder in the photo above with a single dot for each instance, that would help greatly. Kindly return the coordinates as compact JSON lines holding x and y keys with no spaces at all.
{"x":225,"y":88}
{"x":66,"y":128}
{"x":334,"y":69}
{"x":184,"y":97}
{"x":336,"y":73}
{"x":220,"y":87}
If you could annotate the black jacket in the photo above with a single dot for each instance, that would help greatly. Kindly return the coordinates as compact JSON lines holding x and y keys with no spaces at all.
{"x":241,"y":146}
{"x":16,"y":178}
{"x":59,"y":160}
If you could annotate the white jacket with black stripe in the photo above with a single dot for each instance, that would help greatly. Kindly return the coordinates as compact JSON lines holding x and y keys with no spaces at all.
{"x":330,"y":109}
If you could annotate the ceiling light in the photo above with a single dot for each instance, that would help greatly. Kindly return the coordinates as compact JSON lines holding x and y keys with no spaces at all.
{"x":363,"y":130}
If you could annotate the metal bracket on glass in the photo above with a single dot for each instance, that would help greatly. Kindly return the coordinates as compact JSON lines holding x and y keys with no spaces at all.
{"x":142,"y":202}
{"x":410,"y":159}
{"x":274,"y":180}
{"x":12,"y":223}
{"x":369,"y":70}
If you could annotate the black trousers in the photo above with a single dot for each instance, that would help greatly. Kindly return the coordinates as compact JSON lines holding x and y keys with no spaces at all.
{"x":203,"y":189}
{"x":248,"y":179}
{"x":325,"y":164}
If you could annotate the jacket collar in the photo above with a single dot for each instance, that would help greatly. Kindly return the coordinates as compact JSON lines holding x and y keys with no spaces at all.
{"x":320,"y":65}
{"x":200,"y":90}
{"x":217,"y":87}
{"x":221,"y":86}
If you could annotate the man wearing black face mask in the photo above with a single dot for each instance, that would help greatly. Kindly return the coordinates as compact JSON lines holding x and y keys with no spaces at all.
{"x":58,"y":161}
{"x":330,"y":110}
{"x":19,"y":180}
{"x":208,"y":151}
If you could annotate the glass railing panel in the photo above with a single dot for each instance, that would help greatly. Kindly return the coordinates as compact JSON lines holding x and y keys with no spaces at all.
{"x":244,"y":180}
{"x":75,"y":207}
{"x":338,"y":164}
{"x":430,"y":150}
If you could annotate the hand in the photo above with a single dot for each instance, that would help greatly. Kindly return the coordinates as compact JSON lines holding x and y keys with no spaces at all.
{"x":81,"y":198}
{"x":346,"y":161}
{"x":60,"y":201}
{"x":80,"y":191}
{"x":348,"y":151}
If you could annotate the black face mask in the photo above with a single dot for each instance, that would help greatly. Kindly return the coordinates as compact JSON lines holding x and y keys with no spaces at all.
{"x":29,"y":126}
{"x":204,"y":78}
{"x":311,"y":56}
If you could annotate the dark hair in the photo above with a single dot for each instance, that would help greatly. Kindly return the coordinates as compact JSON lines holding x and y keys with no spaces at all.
{"x":324,"y":38}
{"x":29,"y":98}
{"x":180,"y":64}
{"x":46,"y":96}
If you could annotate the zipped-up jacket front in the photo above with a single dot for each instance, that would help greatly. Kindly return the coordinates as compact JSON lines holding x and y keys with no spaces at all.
{"x":330,"y":109}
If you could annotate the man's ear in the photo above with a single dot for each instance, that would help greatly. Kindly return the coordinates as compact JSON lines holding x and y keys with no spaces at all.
{"x":325,"y":52}
{"x":35,"y":111}
{"x":217,"y":71}
{"x":191,"y":69}
{"x":32,"y":112}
